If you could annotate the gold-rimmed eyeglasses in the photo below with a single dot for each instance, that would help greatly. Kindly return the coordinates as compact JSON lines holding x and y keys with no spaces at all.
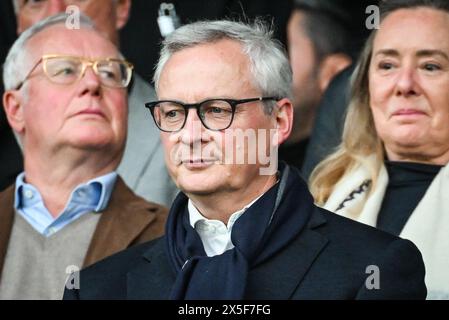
{"x":66,"y":69}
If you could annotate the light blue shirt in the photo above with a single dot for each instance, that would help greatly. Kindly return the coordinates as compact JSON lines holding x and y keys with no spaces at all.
{"x":92,"y":196}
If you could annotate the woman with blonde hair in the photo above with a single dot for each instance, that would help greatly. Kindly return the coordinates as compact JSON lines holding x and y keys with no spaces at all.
{"x":390,"y":169}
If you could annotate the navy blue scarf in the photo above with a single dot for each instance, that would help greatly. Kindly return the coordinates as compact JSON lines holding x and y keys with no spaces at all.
{"x":265,"y":228}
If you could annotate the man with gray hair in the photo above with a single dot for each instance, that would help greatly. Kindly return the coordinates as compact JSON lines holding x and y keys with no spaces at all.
{"x":142,"y":166}
{"x":66,"y":98}
{"x":238,"y":231}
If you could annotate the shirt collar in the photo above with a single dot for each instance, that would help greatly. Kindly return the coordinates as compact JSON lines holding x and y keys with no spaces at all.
{"x":97,"y":191}
{"x":195,"y":216}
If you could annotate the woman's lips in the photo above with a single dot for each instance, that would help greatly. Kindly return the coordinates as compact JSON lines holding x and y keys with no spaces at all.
{"x":408,"y":112}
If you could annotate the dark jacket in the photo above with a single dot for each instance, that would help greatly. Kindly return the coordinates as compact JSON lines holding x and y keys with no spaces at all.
{"x":333,"y":258}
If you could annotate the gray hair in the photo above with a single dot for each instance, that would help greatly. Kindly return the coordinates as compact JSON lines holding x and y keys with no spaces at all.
{"x":269,"y":64}
{"x":16,"y":65}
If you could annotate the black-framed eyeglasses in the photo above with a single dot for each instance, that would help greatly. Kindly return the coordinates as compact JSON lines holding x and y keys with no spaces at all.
{"x":215,"y":114}
{"x":66,"y":69}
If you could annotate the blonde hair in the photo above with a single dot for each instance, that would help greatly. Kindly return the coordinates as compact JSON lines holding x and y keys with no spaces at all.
{"x":359,"y":138}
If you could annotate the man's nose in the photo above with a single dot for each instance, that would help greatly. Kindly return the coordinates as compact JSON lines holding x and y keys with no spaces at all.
{"x":193,"y":128}
{"x":90,"y":82}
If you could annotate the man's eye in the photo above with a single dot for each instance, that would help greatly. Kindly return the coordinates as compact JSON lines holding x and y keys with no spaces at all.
{"x":63,"y":72}
{"x":171,"y":114}
{"x":108,"y":74}
{"x":216,"y":110}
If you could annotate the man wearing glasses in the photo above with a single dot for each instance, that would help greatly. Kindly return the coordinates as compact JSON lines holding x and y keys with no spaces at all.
{"x":237,"y":231}
{"x":66,"y":98}
{"x":142,"y":166}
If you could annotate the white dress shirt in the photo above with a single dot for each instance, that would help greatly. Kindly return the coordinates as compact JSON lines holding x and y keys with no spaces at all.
{"x":215,"y":235}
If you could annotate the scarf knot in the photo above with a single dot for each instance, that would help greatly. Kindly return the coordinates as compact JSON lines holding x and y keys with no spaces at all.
{"x":265,"y":228}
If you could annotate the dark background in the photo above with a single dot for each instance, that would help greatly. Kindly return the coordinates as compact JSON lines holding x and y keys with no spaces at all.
{"x":140,"y":43}
{"x":140,"y":38}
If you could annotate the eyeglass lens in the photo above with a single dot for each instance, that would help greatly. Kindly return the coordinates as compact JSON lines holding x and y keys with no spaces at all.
{"x":65,"y":70}
{"x":215,"y":115}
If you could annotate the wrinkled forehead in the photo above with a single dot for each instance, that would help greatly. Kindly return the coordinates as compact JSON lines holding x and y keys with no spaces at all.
{"x":408,"y":28}
{"x":58,"y":39}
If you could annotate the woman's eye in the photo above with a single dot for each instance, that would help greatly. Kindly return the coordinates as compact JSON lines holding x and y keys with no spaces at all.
{"x":431,"y":67}
{"x":385,"y":66}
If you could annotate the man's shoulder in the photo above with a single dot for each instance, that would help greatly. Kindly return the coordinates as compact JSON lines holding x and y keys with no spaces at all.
{"x":7,"y":195}
{"x":351,"y":252}
{"x":107,"y":279}
{"x":123,"y":261}
{"x":126,"y":196}
{"x":358,"y":237}
{"x":130,"y":219}
{"x":336,"y":223}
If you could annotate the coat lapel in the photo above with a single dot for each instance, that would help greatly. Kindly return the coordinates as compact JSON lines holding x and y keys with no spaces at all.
{"x":120,"y":224}
{"x":153,"y":278}
{"x":6,"y":221}
{"x":279,"y":277}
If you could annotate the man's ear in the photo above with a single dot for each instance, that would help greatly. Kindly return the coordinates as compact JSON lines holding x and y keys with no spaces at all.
{"x":12,"y":103}
{"x":122,"y":11}
{"x":284,"y":119}
{"x":330,"y":67}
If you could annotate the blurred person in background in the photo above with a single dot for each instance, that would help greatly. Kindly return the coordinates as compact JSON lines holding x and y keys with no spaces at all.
{"x":323,"y":39}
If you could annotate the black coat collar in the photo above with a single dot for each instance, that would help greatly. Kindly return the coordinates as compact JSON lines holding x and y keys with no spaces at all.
{"x":277,"y":278}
